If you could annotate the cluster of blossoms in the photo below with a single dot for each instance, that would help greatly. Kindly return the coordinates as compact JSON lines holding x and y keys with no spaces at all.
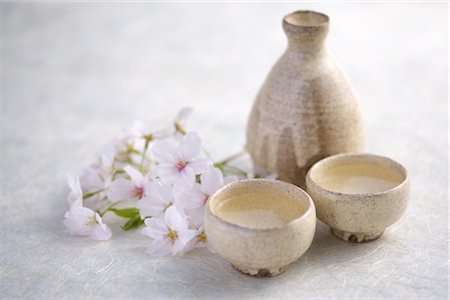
{"x":163,"y":178}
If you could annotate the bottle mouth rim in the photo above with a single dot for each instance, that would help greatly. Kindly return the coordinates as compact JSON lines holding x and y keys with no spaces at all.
{"x":306,"y":18}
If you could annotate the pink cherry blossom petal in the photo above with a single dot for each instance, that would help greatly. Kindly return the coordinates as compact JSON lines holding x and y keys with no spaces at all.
{"x":75,"y":220}
{"x":199,"y":165}
{"x":192,"y":198}
{"x":136,"y":177}
{"x":159,"y":247}
{"x":195,"y":217}
{"x":175,"y":220}
{"x":156,"y":228}
{"x":167,"y":173}
{"x":211,"y":180}
{"x":185,"y":236}
{"x":101,"y":233}
{"x":120,"y":189}
{"x":183,"y":114}
{"x":165,"y":151}
{"x":149,"y":208}
{"x":190,"y":146}
{"x":185,"y":180}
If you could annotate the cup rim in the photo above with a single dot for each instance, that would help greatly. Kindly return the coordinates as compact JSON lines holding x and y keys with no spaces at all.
{"x":310,"y":209}
{"x":311,"y":183}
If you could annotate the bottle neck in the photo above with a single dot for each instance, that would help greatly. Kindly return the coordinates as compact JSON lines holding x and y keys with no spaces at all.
{"x":306,"y":32}
{"x":306,"y":47}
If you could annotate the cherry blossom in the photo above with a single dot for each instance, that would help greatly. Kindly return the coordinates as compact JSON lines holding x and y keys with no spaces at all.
{"x":180,"y":120}
{"x":178,"y":164}
{"x":199,"y":241}
{"x":194,"y":200}
{"x":98,"y":175}
{"x":128,"y":189}
{"x":170,"y":234}
{"x":83,"y":221}
{"x":142,"y":129}
{"x":156,"y":201}
{"x":76,"y":193}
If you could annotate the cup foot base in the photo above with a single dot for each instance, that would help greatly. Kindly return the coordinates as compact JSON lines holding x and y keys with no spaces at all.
{"x":355,"y":237}
{"x":262,"y":272}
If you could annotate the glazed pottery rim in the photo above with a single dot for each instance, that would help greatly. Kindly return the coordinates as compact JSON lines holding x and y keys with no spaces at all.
{"x":309,"y":209}
{"x":306,"y":11}
{"x":404,"y":172}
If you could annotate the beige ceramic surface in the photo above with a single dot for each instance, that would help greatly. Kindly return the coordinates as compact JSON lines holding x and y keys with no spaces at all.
{"x":260,"y":226}
{"x":306,"y":110}
{"x":358,"y":195}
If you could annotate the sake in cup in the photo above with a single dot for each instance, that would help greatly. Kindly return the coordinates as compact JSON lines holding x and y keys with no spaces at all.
{"x":260,"y":226}
{"x":358,"y":195}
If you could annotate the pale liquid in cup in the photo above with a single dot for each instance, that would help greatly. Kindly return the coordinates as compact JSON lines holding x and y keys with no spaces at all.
{"x":359,"y":179}
{"x":260,"y":210}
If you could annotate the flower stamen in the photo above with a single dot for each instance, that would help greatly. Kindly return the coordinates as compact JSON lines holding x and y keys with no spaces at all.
{"x":181,"y":165}
{"x":172,"y":235}
{"x":90,"y":222}
{"x":139,"y":192}
{"x":201,"y":237}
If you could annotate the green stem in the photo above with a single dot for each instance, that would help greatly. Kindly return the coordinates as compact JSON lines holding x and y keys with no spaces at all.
{"x":108,"y":208}
{"x":147,"y":142}
{"x":233,"y":157}
{"x":235,"y":170}
{"x":92,"y":193}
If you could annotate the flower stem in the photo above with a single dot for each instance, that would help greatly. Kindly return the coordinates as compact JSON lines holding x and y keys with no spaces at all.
{"x":108,"y":208}
{"x":92,"y":193}
{"x":147,"y":142}
{"x":233,"y":157}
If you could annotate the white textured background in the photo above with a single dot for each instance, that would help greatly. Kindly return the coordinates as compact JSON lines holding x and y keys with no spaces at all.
{"x":73,"y":75}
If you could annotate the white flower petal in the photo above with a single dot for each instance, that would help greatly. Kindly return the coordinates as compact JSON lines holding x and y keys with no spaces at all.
{"x":101,"y":232}
{"x":165,"y":191}
{"x":178,"y":247}
{"x":159,"y":247}
{"x":75,"y":194}
{"x":184,"y":181}
{"x":136,"y":177}
{"x":74,"y":183}
{"x":149,"y":208}
{"x":193,"y":198}
{"x":186,"y":236}
{"x":195,"y":217}
{"x":199,"y":165}
{"x":90,"y":181}
{"x":120,"y":189}
{"x":156,"y":228}
{"x":165,"y":151}
{"x":183,"y":114}
{"x":75,"y":220}
{"x":190,"y":146}
{"x":167,"y":172}
{"x":175,"y":220}
{"x":211,"y":180}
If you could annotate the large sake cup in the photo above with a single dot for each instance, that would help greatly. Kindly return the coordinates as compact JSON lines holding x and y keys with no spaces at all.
{"x":358,"y":195}
{"x":260,"y":226}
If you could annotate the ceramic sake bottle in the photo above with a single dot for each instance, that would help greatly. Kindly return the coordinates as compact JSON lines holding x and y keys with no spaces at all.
{"x":306,"y":109}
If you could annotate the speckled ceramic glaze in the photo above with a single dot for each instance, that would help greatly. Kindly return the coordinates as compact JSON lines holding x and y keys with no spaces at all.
{"x":358,"y":195}
{"x":260,"y":226}
{"x":306,"y":109}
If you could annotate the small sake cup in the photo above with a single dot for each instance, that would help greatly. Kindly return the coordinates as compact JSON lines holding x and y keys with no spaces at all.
{"x":358,"y":195}
{"x":260,"y":226}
